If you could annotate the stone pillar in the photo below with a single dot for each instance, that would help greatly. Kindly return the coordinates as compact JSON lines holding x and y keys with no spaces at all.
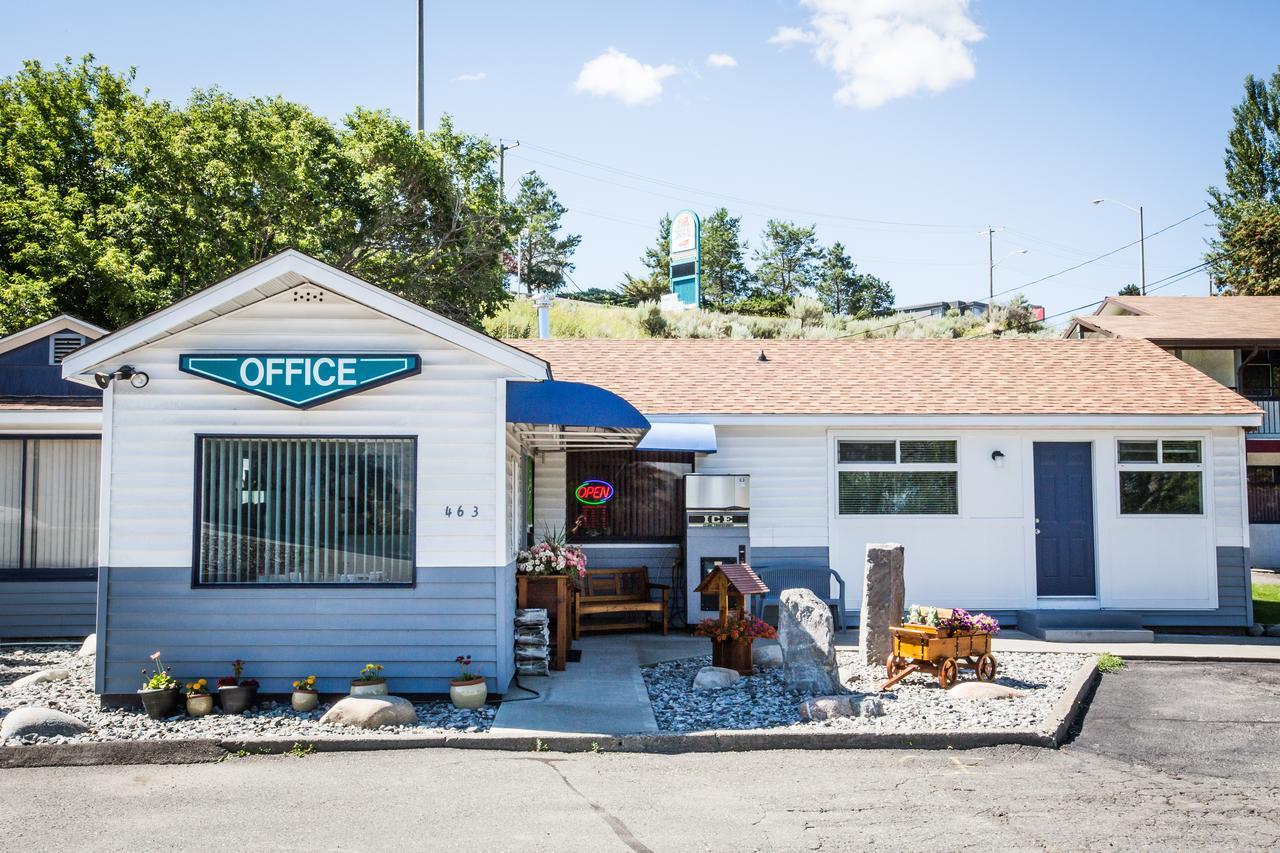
{"x":883,"y":601}
{"x":807,"y":635}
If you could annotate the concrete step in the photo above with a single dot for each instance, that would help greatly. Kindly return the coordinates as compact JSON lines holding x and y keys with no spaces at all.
{"x":1084,"y":626}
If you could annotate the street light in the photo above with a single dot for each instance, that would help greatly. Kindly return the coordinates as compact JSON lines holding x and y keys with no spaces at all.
{"x":991,"y":262}
{"x":1142,"y":242}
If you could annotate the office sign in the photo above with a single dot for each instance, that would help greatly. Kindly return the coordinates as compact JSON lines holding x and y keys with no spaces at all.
{"x":302,"y":380}
{"x":685,"y":261}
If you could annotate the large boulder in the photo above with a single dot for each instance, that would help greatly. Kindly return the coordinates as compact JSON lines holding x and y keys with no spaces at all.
{"x":1273,"y":630}
{"x":766,"y":657}
{"x":89,"y":647}
{"x":883,"y":600}
{"x":982,"y":691}
{"x":807,"y":636}
{"x":370,"y":712}
{"x":40,"y":678}
{"x":45,"y":722}
{"x":714,"y":678}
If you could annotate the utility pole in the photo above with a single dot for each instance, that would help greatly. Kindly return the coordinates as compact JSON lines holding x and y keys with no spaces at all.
{"x":991,"y":269}
{"x":1142,"y":253}
{"x":503,"y":148}
{"x":422,"y":96}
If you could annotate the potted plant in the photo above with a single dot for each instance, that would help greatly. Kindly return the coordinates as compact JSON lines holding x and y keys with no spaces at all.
{"x":159,"y":691}
{"x":305,"y":698}
{"x":199,"y":699}
{"x":234,"y":695}
{"x":731,"y":640}
{"x":370,"y":682}
{"x":468,"y":691}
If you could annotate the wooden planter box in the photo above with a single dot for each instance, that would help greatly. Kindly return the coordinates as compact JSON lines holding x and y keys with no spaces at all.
{"x":733,"y":654}
{"x":553,"y":593}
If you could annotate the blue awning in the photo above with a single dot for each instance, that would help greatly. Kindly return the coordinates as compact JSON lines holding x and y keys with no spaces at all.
{"x":554,"y":415}
{"x":670,"y":435}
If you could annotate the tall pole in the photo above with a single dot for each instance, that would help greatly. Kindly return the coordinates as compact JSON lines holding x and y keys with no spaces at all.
{"x":1142,"y":253}
{"x":991,"y":270}
{"x":422,"y":97}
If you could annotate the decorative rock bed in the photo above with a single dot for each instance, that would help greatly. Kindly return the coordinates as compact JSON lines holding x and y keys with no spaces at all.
{"x":74,"y":695}
{"x":762,"y":701}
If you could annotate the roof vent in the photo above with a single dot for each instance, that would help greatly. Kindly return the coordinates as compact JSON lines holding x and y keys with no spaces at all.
{"x":63,"y":344}
{"x":308,"y":293}
{"x":762,"y":357}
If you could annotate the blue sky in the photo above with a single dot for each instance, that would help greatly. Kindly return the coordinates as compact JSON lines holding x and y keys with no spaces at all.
{"x":1006,"y":113}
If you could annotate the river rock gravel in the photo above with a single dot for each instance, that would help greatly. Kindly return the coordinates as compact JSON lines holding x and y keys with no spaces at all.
{"x":916,"y":704}
{"x":75,"y":696}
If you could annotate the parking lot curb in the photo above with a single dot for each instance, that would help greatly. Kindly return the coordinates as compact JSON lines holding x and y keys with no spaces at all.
{"x":1071,"y":703}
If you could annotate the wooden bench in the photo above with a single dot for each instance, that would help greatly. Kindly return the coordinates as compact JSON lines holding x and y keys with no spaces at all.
{"x":618,"y":591}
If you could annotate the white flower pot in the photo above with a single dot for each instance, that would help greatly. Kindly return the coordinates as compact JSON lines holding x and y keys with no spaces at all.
{"x":468,"y":695}
{"x":305,"y":700}
{"x":369,"y":688}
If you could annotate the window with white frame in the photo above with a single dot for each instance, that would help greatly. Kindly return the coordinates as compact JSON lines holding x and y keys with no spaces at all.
{"x":1160,"y":476}
{"x":897,"y":477}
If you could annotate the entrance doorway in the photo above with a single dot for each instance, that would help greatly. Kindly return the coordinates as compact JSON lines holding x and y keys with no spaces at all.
{"x":1065,"y":559}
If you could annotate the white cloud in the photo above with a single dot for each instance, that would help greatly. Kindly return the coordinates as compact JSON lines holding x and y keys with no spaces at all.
{"x":614,"y":74}
{"x":721,"y":60}
{"x":886,"y":49}
{"x":787,"y":36}
{"x":470,"y":78}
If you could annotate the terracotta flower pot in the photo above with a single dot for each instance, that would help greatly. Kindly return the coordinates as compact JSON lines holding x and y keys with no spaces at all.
{"x":305,"y":700}
{"x":160,"y":703}
{"x":468,"y":695}
{"x":374,"y":687}
{"x":199,"y":704}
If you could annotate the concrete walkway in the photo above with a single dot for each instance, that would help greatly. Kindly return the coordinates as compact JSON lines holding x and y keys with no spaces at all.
{"x":603,"y":693}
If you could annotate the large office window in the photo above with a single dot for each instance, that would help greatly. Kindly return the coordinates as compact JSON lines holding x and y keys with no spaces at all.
{"x":626,"y":495}
{"x":897,"y":477}
{"x":49,"y":504}
{"x":305,"y":510}
{"x":1160,"y":477}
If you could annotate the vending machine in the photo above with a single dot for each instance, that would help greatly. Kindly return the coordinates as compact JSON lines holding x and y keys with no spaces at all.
{"x":717,"y":530}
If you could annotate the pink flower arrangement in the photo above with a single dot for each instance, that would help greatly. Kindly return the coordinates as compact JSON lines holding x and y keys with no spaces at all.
{"x":551,"y":558}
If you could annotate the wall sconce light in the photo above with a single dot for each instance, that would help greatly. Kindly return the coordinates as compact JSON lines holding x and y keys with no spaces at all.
{"x":136,"y":378}
{"x":997,"y":456}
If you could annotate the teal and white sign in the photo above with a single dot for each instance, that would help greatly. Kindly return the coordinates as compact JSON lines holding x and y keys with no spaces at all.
{"x":302,"y":380}
{"x":686,"y":258}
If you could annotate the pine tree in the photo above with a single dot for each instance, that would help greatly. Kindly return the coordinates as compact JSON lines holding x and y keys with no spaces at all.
{"x":1245,"y":257}
{"x":725,"y":277}
{"x":844,"y":290}
{"x":657,"y":258}
{"x":788,"y":259}
{"x":544,"y":256}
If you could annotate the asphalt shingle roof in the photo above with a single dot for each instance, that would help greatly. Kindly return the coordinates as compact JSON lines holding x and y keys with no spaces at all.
{"x":891,"y":377}
{"x":1172,"y":320}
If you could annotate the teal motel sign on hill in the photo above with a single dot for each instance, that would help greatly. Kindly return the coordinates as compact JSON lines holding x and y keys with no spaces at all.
{"x":686,"y":258}
{"x":302,"y":380}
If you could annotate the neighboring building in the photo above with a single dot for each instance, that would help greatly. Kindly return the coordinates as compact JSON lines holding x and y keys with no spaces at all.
{"x":1236,"y":341}
{"x":941,"y":309}
{"x":49,"y":446}
{"x":309,"y":473}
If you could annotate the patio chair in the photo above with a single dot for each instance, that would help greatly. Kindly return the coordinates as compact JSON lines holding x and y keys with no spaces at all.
{"x":817,"y":579}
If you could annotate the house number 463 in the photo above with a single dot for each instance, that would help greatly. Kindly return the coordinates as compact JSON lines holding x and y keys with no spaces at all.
{"x":461,"y":512}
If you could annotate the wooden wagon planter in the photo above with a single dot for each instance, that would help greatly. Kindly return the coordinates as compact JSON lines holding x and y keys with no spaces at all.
{"x":939,"y":651}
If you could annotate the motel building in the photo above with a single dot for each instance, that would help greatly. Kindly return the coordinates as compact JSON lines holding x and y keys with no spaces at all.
{"x":304,"y":471}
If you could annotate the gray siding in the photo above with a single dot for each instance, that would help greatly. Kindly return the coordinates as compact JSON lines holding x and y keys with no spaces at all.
{"x":46,"y":609}
{"x":660,"y":558}
{"x":329,"y":632}
{"x":808,"y":556}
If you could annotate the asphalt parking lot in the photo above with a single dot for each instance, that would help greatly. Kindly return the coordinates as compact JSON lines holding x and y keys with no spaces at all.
{"x":1172,"y":756}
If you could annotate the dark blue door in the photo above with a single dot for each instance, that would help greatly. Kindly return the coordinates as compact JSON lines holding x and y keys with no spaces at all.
{"x":1064,"y":518}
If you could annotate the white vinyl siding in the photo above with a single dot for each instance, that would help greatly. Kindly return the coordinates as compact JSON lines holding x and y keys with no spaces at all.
{"x":450,"y":408}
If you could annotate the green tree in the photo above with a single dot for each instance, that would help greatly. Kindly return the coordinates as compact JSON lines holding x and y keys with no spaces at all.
{"x":650,"y":288}
{"x":112,"y":206}
{"x":787,"y":259}
{"x":844,"y":290}
{"x":59,"y":191}
{"x":1129,"y":290}
{"x":725,"y":277}
{"x":657,"y":258}
{"x":544,"y":255}
{"x":1243,"y":254}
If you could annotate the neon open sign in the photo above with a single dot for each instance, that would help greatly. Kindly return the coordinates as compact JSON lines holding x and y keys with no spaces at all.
{"x":594,"y":492}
